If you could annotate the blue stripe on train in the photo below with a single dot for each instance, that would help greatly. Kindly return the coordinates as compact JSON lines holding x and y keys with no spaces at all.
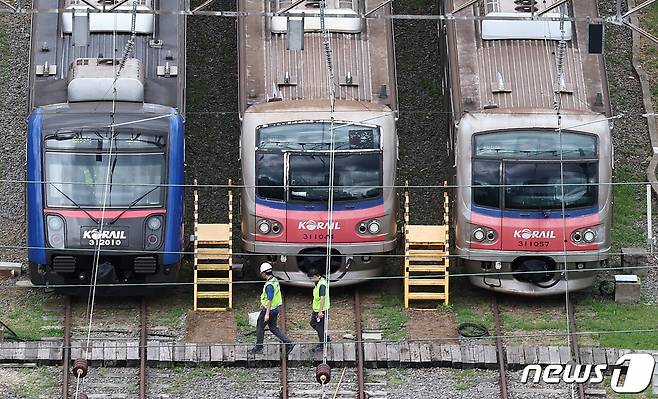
{"x":174,"y":241}
{"x":321,"y":206}
{"x":36,"y":236}
{"x":553,"y":214}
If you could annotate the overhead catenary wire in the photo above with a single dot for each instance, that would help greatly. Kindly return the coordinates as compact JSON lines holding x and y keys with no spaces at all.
{"x":374,"y":16}
{"x":332,"y":160}
{"x":129,"y":47}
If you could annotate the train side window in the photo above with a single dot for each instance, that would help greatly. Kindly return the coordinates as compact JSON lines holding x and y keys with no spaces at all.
{"x":269,"y":176}
{"x":486,"y":183}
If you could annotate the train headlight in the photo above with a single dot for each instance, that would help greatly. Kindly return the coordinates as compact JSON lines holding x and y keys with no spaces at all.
{"x":589,"y":236}
{"x":264,"y":227}
{"x":267,"y":226}
{"x":479,"y":235}
{"x":374,"y":227}
{"x":55,"y":231}
{"x":153,"y":232}
{"x":154,"y":223}
{"x":369,"y":226}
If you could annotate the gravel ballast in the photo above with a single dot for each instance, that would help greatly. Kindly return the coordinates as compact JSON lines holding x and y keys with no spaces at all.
{"x":14,"y":67}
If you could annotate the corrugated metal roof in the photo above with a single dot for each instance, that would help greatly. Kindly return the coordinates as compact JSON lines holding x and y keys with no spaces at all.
{"x":522,"y":74}
{"x":527,"y":70}
{"x":307,"y":69}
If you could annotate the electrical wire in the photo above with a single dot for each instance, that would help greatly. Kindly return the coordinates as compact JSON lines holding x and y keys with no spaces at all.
{"x":332,"y":163}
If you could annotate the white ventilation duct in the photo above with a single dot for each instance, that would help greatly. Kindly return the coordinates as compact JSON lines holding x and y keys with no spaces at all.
{"x":93,"y":79}
{"x":502,"y":29}
{"x":350,"y":23}
{"x":109,"y":21}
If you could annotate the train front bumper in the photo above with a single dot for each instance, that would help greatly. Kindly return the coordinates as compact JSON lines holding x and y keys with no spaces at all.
{"x":351,"y":263}
{"x":498,"y":271}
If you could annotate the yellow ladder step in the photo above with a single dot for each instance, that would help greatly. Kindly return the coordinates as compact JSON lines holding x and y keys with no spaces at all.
{"x":213,"y":251}
{"x":212,"y":280}
{"x":426,"y":234}
{"x":426,"y":281}
{"x":214,"y":233}
{"x":212,"y":294}
{"x":427,"y":296}
{"x":426,"y":268}
{"x":212,"y":267}
{"x":426,"y":253}
{"x":212,"y":309}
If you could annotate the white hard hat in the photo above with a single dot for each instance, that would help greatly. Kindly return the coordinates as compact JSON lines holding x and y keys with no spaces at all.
{"x":265,"y":267}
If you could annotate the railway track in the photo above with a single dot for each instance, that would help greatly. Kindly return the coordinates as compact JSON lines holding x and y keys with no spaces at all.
{"x":573,"y":342}
{"x":500,"y":351}
{"x":346,"y":383}
{"x":98,"y":382}
{"x":505,"y":391}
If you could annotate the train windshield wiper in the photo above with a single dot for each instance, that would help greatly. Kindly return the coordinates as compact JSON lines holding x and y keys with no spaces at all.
{"x":61,"y":136}
{"x":75,"y":203}
{"x":133,"y":204}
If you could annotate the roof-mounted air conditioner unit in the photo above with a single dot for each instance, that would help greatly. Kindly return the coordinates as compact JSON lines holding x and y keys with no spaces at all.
{"x":501,"y":29}
{"x":94,"y":79}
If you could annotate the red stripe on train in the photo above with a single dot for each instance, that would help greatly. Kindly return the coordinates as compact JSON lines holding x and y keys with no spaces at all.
{"x":534,"y":235}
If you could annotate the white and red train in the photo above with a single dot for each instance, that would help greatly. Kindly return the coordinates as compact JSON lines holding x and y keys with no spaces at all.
{"x":286,"y":138}
{"x":533,"y":199}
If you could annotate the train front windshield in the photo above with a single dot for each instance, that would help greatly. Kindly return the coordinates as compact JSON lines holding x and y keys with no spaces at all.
{"x":301,"y":150}
{"x":356,"y":177}
{"x":82,"y":173}
{"x":535,"y":170}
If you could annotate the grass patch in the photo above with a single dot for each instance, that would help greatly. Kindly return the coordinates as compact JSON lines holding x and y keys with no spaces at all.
{"x":610,"y":394}
{"x":184,"y":378}
{"x":594,"y":314}
{"x":472,"y":309}
{"x":395,"y":377}
{"x":244,"y":302}
{"x":516,"y":321}
{"x":628,"y":216}
{"x":242,"y":322}
{"x":25,"y":314}
{"x":464,"y":379}
{"x":31,"y":383}
{"x":172,"y":317}
{"x":391,"y":317}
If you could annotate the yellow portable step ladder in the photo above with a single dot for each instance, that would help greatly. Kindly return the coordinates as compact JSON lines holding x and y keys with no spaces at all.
{"x":426,"y":257}
{"x":213,"y":249}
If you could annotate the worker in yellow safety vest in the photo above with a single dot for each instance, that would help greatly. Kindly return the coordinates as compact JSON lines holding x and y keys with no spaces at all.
{"x":270,"y":305}
{"x":320,"y":306}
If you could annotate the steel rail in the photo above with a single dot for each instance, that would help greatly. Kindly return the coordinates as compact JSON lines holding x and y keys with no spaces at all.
{"x":142,"y":350}
{"x":500,"y":353}
{"x":66,"y":350}
{"x":573,"y":340}
{"x":361,"y":391}
{"x":284,"y":354}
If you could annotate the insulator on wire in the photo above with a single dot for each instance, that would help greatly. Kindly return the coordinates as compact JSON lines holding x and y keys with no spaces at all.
{"x":80,"y":368}
{"x":82,"y":395}
{"x":323,"y":373}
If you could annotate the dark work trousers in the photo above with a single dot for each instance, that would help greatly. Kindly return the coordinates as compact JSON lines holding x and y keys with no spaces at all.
{"x":274,"y":329}
{"x":318,"y":326}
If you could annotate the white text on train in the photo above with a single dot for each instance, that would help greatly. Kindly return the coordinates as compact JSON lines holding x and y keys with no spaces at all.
{"x":313,"y":225}
{"x":527,"y":234}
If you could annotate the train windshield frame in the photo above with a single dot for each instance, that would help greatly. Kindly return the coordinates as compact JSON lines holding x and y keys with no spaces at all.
{"x":523,"y":170}
{"x":292,"y":162}
{"x":76,"y":166}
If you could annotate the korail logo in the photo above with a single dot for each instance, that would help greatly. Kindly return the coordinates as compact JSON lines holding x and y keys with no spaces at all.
{"x":636,"y":378}
{"x":527,"y":234}
{"x":95,"y":234}
{"x":312,"y":225}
